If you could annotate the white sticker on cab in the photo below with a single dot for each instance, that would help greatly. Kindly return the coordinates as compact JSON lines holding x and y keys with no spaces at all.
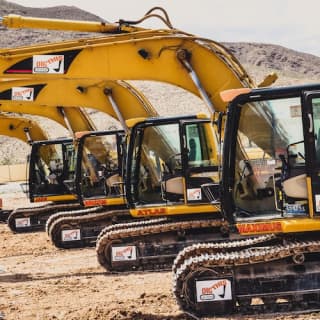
{"x":317,"y":199}
{"x":194,"y":194}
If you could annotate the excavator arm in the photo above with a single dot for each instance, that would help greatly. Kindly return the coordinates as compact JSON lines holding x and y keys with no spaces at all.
{"x":17,"y":21}
{"x":121,"y":26}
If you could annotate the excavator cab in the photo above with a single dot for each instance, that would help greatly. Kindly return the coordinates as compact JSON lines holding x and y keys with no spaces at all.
{"x":271,"y":166}
{"x":52,"y":162}
{"x":168,"y":161}
{"x":99,"y":170}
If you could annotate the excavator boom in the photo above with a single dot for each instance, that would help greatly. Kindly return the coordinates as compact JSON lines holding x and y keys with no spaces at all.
{"x":71,"y":93}
{"x":187,"y":57}
{"x":23,"y":129}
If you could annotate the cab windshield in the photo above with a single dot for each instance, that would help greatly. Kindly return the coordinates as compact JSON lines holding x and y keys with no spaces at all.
{"x":269,"y":152}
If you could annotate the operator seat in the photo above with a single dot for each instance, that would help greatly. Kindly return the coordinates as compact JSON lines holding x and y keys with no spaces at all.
{"x":193,"y":150}
{"x":172,"y":184}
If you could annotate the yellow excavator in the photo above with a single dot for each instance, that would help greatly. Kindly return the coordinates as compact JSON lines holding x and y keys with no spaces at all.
{"x":72,"y":119}
{"x":23,"y":129}
{"x":151,"y":54}
{"x":107,"y":96}
{"x":100,"y":191}
{"x":269,"y":261}
{"x":170,"y":188}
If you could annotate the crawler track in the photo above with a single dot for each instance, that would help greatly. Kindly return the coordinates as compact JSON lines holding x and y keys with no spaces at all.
{"x":86,"y":226}
{"x":4,"y":214}
{"x":153,"y":244}
{"x":34,"y":218}
{"x":283,"y":276}
{"x":73,"y":213}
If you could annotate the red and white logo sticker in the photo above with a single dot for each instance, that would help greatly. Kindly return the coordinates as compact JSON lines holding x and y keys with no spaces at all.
{"x":124,"y":253}
{"x":48,"y":64}
{"x":194,"y":194}
{"x":22,"y":93}
{"x":22,"y":222}
{"x":213,"y":290}
{"x":71,"y":235}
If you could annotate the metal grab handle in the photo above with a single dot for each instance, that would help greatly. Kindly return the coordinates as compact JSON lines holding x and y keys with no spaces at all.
{"x":310,"y":123}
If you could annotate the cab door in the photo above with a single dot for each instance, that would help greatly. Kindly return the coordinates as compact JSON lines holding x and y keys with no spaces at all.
{"x":311,"y":119}
{"x":99,"y":166}
{"x":200,"y":161}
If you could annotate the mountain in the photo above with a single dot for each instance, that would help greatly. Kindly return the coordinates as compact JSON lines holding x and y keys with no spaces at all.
{"x":293,"y":66}
{"x":58,"y":12}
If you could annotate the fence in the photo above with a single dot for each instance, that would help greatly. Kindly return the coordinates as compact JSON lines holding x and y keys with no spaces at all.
{"x":11,"y":173}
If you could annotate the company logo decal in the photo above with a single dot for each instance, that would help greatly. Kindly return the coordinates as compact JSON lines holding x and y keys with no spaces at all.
{"x":26,"y":93}
{"x":213,"y":290}
{"x":55,"y":63}
{"x":48,"y":64}
{"x":22,"y":93}
{"x":22,"y":222}
{"x":71,"y":235}
{"x":124,"y":253}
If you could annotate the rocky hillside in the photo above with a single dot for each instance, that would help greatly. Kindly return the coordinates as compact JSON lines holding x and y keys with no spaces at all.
{"x":291,"y":65}
{"x":60,"y":12}
{"x":259,"y":59}
{"x":13,"y":38}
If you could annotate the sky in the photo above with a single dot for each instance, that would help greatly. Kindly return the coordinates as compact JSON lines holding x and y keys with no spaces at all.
{"x":294,"y":24}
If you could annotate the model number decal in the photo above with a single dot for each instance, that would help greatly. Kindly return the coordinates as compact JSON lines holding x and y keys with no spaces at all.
{"x":40,"y":199}
{"x":95,"y":202}
{"x":151,"y":212}
{"x":259,"y":227}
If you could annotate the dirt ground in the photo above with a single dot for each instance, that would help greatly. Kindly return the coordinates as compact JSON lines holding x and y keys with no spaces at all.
{"x":40,"y":282}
